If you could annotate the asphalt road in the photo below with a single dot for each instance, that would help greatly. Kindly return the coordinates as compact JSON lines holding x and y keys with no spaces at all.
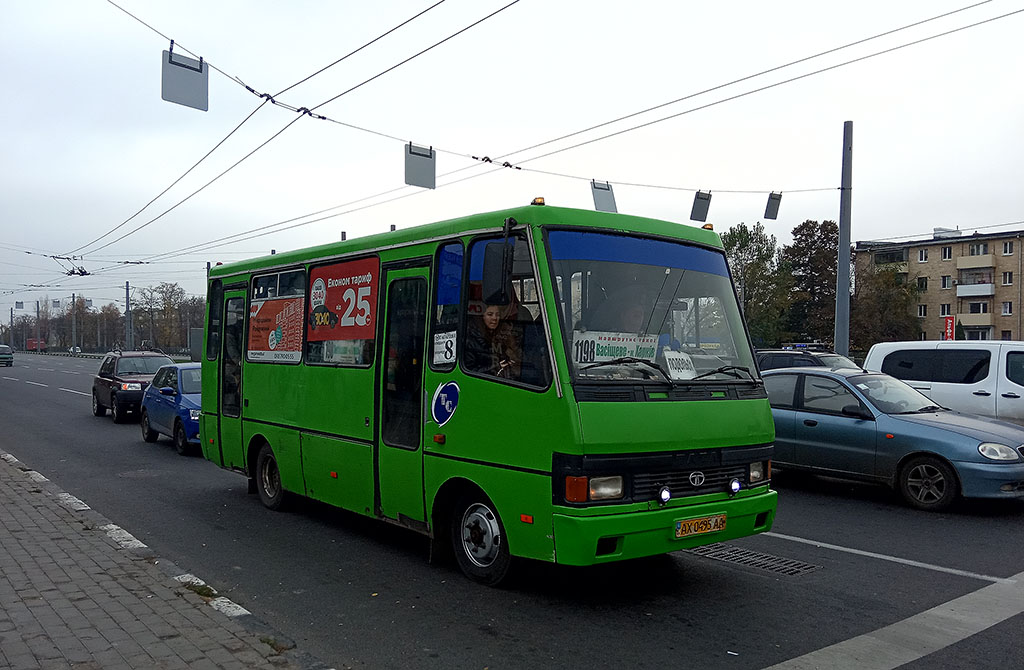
{"x":359,"y":593}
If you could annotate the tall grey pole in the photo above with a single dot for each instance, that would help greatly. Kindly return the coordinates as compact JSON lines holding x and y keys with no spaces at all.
{"x":74,"y":324}
{"x":842,"y":336}
{"x":127,"y":317}
{"x":38,"y":345}
{"x":11,"y":333}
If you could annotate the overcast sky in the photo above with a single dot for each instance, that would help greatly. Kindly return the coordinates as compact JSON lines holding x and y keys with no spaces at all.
{"x":87,"y":139}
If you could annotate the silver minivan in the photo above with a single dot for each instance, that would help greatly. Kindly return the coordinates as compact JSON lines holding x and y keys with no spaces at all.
{"x":977,"y":376}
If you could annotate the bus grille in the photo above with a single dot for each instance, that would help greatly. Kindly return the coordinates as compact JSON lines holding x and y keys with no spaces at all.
{"x":716,"y":480}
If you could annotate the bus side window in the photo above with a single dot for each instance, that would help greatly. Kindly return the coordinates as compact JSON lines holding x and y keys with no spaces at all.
{"x":515,"y":349}
{"x":447,"y":301}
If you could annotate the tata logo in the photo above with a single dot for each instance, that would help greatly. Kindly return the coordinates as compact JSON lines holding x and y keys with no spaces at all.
{"x":697,"y":478}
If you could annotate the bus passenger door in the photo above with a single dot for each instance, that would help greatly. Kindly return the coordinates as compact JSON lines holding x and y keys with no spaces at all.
{"x":399,"y":455}
{"x":229,"y":388}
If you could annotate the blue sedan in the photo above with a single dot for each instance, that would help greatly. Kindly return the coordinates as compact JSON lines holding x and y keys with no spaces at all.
{"x":171,"y":404}
{"x":873,"y":427}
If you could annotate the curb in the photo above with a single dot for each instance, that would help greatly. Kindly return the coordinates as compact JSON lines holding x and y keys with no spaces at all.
{"x":122,"y":540}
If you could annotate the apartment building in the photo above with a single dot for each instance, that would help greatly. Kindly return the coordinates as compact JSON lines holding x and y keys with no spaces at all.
{"x":971,"y":280}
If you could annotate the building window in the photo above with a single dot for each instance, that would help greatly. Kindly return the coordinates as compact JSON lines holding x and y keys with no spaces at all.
{"x":922,"y":255}
{"x":945,"y":309}
{"x":947,"y":281}
{"x":978,"y":249}
{"x":922,"y":283}
{"x":1007,"y":248}
{"x":974,"y":308}
{"x":1007,"y":308}
{"x":922,"y":310}
{"x":1007,"y":279}
{"x":1006,"y":335}
{"x":922,"y":335}
{"x":947,"y":253}
{"x":886,"y":257}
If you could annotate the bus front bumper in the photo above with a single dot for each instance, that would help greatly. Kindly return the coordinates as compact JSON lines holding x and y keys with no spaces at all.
{"x":588,"y":540}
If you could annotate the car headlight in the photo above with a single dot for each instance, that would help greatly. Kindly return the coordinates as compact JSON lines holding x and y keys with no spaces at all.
{"x":193,"y":414}
{"x":131,"y":386}
{"x":605,"y":488}
{"x":997,"y":452}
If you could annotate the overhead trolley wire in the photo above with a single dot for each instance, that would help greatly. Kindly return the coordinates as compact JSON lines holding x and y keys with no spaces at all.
{"x":265,"y":99}
{"x":264,"y":230}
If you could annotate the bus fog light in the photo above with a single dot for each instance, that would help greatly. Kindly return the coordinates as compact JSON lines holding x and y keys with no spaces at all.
{"x":735,"y":486}
{"x":605,"y":488}
{"x":664,"y":495}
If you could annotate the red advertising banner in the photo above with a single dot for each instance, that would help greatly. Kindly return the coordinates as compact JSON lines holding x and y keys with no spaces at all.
{"x":275,"y":330}
{"x":342,"y":299}
{"x":949,"y":332}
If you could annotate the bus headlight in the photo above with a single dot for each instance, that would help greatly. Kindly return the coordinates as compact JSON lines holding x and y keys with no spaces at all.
{"x":606,"y":488}
{"x":759,"y":472}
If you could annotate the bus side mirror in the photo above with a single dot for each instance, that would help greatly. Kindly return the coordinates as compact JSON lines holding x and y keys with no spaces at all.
{"x":497,"y":275}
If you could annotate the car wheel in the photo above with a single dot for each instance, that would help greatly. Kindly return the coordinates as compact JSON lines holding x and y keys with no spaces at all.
{"x":148,"y":434}
{"x":97,"y":408}
{"x":268,"y":479}
{"x":116,"y":411}
{"x":928,"y":483}
{"x":180,"y":439}
{"x":478,"y":538}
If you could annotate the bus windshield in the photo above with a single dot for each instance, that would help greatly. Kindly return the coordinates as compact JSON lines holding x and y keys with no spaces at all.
{"x":635,"y":308}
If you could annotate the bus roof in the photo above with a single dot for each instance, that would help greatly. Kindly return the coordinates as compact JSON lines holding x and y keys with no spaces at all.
{"x":530,"y":214}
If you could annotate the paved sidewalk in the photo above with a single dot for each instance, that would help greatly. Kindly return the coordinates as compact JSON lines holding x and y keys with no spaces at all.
{"x":78,"y":592}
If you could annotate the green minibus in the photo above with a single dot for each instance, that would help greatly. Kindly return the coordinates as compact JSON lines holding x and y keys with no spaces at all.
{"x":540,"y":383}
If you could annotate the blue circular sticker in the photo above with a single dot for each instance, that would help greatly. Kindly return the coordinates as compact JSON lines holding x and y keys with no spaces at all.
{"x":446,"y":400}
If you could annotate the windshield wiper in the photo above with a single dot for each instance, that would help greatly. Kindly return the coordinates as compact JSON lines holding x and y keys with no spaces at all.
{"x":929,"y":408}
{"x":631,"y":359}
{"x":730,"y":369}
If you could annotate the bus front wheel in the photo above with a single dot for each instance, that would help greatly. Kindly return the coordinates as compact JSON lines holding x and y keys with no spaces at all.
{"x":268,"y":479}
{"x":478,"y":538}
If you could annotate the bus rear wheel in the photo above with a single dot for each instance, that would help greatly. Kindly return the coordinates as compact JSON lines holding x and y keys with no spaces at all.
{"x":268,"y":479}
{"x":478,"y":538}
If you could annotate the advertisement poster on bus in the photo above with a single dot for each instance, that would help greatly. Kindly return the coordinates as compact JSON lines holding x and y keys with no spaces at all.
{"x":275,"y":330}
{"x":342,"y":298}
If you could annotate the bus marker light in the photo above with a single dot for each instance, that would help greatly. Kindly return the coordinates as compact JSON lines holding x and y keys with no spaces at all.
{"x":334,"y":475}
{"x":526,"y":518}
{"x":889,"y":436}
{"x":439,"y":438}
{"x":576,"y":489}
{"x":211,"y":440}
{"x":537,"y":201}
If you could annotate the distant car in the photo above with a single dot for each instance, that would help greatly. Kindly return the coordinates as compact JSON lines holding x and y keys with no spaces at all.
{"x":874,"y":427}
{"x":769,"y":359}
{"x":6,"y":355}
{"x":75,"y":350}
{"x":170,"y":406}
{"x":122,"y":377}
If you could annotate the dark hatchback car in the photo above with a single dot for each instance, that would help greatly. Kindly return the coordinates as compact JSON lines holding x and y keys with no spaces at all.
{"x":170,"y":406}
{"x":769,"y":359}
{"x":6,"y":355}
{"x":122,"y":377}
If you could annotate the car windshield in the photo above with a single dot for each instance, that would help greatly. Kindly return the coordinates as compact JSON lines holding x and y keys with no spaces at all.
{"x":836,"y":361}
{"x":892,"y":396}
{"x":644,"y":309}
{"x":191,"y":380}
{"x":4,"y":349}
{"x":141,"y":365}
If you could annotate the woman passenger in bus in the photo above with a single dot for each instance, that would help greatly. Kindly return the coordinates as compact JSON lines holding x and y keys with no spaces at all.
{"x":492,"y":346}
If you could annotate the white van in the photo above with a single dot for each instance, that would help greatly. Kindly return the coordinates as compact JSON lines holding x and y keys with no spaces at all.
{"x":977,"y":376}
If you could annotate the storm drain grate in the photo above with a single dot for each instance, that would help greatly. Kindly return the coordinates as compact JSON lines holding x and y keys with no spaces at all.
{"x":753,"y":559}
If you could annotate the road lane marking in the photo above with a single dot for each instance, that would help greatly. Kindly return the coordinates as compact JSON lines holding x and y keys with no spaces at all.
{"x":894,"y":559}
{"x":922,"y":634}
{"x":47,"y":370}
{"x":13,"y":379}
{"x":74,"y":391}
{"x":37,"y":384}
{"x":70,"y":372}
